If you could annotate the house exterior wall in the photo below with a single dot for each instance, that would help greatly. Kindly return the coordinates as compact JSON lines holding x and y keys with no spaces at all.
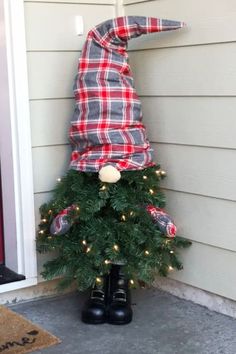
{"x":53,"y":49}
{"x":186,"y":82}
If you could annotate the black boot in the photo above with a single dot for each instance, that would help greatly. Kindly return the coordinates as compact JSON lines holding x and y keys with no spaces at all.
{"x":119,"y":300}
{"x":94,"y":310}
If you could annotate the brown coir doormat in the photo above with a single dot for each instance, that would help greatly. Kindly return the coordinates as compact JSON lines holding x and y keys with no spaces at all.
{"x":18,"y":335}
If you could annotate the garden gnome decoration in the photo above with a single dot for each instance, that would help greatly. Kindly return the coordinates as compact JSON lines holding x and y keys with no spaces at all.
{"x":108,"y":137}
{"x":107,"y":134}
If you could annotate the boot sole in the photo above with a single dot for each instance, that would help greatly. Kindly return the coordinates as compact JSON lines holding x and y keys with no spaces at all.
{"x":119,"y":322}
{"x":87,"y":321}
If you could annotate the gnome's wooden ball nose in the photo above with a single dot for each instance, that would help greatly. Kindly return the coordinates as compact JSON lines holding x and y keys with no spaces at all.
{"x":109,"y":174}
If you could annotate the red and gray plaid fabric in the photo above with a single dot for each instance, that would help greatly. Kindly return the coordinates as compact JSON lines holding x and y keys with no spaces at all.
{"x":162,"y":220}
{"x":106,"y":127}
{"x":60,"y":224}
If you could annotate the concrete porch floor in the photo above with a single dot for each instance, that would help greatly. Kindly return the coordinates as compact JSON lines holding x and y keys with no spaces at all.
{"x":162,"y":324}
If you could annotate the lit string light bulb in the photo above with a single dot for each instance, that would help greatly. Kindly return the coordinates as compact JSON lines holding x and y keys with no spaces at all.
{"x":151,"y":191}
{"x":131,"y":282}
{"x":131,"y":213}
{"x":123,"y":217}
{"x":146,"y":252}
{"x":145,"y":177}
{"x":98,"y":280}
{"x":88,"y":249}
{"x":58,"y":179}
{"x":103,"y":188}
{"x":171,"y":268}
{"x":160,"y":173}
{"x":44,"y":220}
{"x":116,"y":247}
{"x":50,"y":211}
{"x":84,"y":242}
{"x":171,"y":251}
{"x":41,"y":232}
{"x":107,"y":261}
{"x":77,"y":208}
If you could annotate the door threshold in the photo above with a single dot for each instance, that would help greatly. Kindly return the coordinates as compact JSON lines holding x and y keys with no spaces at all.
{"x":8,"y":276}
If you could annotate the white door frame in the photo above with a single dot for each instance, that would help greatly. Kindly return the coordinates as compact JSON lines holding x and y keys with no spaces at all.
{"x":16,"y":150}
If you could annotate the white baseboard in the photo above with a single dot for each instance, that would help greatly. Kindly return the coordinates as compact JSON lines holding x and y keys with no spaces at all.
{"x":42,"y":289}
{"x":184,"y":291}
{"x":9,"y":287}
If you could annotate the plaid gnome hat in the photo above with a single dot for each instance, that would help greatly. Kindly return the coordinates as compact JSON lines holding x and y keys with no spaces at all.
{"x":106,"y":129}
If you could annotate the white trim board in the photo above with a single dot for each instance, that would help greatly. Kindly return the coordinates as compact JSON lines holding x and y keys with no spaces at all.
{"x":32,"y":292}
{"x":16,"y":156}
{"x":17,"y":285}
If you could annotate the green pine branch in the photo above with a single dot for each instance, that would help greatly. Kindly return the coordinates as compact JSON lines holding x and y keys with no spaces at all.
{"x":110,"y":224}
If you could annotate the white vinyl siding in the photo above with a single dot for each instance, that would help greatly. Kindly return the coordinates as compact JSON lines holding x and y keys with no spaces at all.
{"x":186,"y":82}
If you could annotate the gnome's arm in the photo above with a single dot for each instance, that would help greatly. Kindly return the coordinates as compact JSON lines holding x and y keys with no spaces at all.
{"x":61,"y":224}
{"x":162,"y":220}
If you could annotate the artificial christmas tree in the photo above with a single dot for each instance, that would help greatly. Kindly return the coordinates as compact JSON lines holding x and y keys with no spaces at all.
{"x":98,"y":224}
